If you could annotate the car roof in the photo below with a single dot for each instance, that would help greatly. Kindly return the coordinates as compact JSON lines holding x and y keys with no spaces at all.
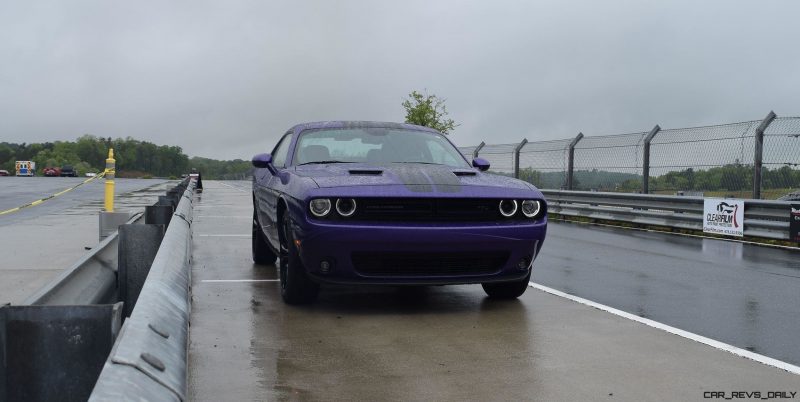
{"x":358,"y":124}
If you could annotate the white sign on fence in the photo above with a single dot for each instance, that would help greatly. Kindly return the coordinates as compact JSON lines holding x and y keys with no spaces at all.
{"x":723,"y":216}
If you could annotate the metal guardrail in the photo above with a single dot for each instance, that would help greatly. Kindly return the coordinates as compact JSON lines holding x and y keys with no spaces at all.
{"x":149,"y":359}
{"x":91,"y":280}
{"x":71,"y":324}
{"x":766,"y":219}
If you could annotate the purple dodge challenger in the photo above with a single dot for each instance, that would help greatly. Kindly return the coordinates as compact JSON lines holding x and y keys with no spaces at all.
{"x":392,"y":204}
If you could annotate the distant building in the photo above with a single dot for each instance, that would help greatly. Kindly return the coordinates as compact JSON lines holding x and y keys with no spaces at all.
{"x":690,"y":193}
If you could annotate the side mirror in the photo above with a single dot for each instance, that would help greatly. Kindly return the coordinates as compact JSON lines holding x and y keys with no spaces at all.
{"x":262,"y":161}
{"x":481,"y":164}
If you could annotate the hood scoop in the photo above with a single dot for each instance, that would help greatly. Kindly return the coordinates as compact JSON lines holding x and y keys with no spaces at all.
{"x":465,"y":173}
{"x":365,"y":172}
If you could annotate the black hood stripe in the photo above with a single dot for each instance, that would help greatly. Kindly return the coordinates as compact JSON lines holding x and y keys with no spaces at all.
{"x":444,"y":180}
{"x":425,"y":178}
{"x":413,"y":179}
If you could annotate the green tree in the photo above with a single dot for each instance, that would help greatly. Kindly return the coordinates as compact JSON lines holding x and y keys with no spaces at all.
{"x":531,"y":176}
{"x":92,"y":150}
{"x":630,"y":186}
{"x":6,"y":152}
{"x":429,"y":111}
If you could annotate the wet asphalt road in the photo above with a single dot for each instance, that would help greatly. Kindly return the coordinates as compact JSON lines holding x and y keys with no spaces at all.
{"x":742,"y":294}
{"x":37,"y":243}
{"x":17,"y":191}
{"x":452,"y":343}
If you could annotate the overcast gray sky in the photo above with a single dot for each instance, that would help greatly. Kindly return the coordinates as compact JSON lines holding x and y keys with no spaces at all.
{"x":224,"y":79}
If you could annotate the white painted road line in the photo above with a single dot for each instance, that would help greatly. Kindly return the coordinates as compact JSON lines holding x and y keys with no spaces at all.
{"x":224,"y":235}
{"x":685,"y":334}
{"x":238,"y":280}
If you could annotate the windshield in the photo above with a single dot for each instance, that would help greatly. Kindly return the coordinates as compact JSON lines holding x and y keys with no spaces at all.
{"x":376,"y":146}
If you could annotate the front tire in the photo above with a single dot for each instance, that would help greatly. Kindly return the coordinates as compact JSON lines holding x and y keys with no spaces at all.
{"x":506,"y":290}
{"x":262,"y":254}
{"x":296,"y":286}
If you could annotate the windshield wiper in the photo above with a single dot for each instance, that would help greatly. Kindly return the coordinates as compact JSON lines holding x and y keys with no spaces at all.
{"x":423,"y":163}
{"x":321,"y":162}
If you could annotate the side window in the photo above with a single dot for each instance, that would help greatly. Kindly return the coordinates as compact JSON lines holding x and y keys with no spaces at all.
{"x":279,"y":155}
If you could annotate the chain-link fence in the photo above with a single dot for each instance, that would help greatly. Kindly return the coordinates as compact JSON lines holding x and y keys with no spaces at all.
{"x":781,"y":173}
{"x":713,"y":160}
{"x":609,"y":163}
{"x":759,"y":158}
{"x":545,"y":163}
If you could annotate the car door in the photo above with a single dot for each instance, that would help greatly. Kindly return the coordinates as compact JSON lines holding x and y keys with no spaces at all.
{"x":268,"y":188}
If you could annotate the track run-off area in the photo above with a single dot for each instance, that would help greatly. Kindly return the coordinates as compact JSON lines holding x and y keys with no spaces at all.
{"x":38,"y":242}
{"x":611,"y":314}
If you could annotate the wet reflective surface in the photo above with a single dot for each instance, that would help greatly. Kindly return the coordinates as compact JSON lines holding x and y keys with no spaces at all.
{"x":18,"y":191}
{"x":742,"y":294}
{"x":432,"y":343}
{"x":37,"y":243}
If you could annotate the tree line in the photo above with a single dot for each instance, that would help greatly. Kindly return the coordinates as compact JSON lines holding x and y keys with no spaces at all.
{"x":134,"y":158}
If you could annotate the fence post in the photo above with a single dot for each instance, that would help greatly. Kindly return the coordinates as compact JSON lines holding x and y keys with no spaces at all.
{"x":477,"y":149}
{"x":646,"y":159}
{"x":571,"y":160}
{"x":516,"y":156}
{"x":759,"y":153}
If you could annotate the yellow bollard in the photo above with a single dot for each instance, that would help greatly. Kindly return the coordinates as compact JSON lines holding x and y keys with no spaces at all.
{"x":110,"y":171}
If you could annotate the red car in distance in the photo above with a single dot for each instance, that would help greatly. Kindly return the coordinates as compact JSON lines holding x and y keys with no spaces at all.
{"x":51,"y":172}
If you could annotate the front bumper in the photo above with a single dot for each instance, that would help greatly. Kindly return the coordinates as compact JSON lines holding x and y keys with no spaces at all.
{"x":336,"y":243}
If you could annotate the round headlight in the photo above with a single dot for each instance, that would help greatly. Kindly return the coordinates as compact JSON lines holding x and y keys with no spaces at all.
{"x":508,"y":208}
{"x":346,"y":206}
{"x":320,"y":207}
{"x":531,"y":208}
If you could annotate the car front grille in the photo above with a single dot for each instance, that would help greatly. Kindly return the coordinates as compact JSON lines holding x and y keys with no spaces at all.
{"x":428,"y":209}
{"x":428,"y":264}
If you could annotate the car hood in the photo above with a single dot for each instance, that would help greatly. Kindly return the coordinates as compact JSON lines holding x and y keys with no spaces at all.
{"x":416,"y":177}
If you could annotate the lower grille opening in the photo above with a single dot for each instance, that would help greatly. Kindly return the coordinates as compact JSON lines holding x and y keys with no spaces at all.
{"x":428,"y":264}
